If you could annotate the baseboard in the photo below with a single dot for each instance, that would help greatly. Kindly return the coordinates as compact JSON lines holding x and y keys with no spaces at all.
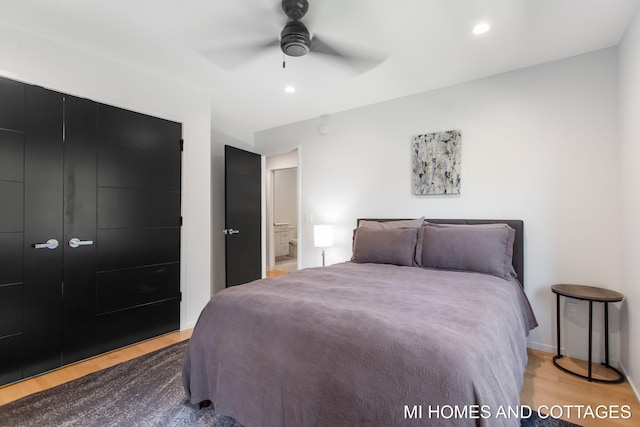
{"x":542,"y":347}
{"x":188,"y":325}
{"x":633,"y":386}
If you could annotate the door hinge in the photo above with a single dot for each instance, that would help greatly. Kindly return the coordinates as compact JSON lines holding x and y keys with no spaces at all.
{"x":180,"y":296}
{"x":182,"y":145}
{"x":180,"y":221}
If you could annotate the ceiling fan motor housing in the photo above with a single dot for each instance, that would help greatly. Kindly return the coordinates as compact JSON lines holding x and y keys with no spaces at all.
{"x":295,"y":9}
{"x":294,"y":39}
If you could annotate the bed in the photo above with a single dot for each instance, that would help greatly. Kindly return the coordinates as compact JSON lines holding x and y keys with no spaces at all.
{"x":426,"y":325}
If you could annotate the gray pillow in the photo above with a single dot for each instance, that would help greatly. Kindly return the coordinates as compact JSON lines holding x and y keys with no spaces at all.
{"x":385,"y":246}
{"x":483,"y":248}
{"x":392,"y":224}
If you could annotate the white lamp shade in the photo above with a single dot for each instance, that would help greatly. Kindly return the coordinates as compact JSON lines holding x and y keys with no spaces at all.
{"x":322,"y":236}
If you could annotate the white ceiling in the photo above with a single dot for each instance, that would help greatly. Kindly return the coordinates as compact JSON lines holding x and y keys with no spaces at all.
{"x":427,"y":44}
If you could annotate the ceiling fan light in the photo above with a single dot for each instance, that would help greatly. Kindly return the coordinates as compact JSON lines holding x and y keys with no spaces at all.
{"x":295,"y":48}
{"x":294,"y":39}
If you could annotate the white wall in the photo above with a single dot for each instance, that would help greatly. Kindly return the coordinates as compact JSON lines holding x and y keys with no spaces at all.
{"x":37,"y":61}
{"x":539,"y":144}
{"x":630,"y":183}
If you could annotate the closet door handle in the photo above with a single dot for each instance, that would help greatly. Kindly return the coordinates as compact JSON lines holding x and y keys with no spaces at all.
{"x":51,"y":244}
{"x":75,"y":242}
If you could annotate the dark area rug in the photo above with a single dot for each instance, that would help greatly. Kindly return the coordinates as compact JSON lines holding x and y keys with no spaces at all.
{"x":536,"y":421}
{"x":146,"y":391}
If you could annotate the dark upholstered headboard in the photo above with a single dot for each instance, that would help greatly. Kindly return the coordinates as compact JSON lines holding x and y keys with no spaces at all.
{"x":516,"y":224}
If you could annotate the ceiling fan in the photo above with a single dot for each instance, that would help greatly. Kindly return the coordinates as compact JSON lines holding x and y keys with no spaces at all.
{"x":296,"y":41}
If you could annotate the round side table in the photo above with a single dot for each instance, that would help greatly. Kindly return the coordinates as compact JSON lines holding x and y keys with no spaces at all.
{"x":591,"y":294}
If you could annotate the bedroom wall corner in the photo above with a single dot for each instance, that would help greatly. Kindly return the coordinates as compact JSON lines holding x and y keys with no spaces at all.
{"x":629,"y":54}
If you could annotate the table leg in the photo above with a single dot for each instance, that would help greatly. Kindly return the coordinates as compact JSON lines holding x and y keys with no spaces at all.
{"x":558,"y":323}
{"x":590,"y":335}
{"x":606,"y":334}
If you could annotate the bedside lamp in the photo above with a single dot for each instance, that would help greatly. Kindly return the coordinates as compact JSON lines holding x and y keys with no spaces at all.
{"x":322,"y":237}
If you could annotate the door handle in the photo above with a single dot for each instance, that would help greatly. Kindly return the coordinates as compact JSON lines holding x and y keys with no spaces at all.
{"x":75,"y":242}
{"x":228,"y":231}
{"x":51,"y":244}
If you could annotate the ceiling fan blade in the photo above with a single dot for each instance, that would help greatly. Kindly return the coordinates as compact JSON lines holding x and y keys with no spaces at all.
{"x":232,"y":57}
{"x":357,"y":59}
{"x":320,"y":46}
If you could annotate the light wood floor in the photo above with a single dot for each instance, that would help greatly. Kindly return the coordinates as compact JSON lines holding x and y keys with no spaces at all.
{"x":276,"y":273}
{"x":544,"y":384}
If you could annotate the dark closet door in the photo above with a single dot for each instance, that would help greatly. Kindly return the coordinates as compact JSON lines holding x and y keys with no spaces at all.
{"x":122,"y":204}
{"x":43,"y":238}
{"x":11,"y":228}
{"x":31,"y":250}
{"x":80,"y":207}
{"x":138,"y":235}
{"x":89,"y":228}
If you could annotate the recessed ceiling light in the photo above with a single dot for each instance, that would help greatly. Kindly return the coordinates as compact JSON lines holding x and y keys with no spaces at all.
{"x":481,"y":28}
{"x":289,"y":89}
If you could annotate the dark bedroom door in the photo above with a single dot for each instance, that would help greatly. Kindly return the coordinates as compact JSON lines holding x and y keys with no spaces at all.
{"x":243,"y":216}
{"x":89,"y":228}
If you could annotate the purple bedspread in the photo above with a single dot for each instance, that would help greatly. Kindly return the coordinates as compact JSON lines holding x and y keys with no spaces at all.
{"x":363,"y":344}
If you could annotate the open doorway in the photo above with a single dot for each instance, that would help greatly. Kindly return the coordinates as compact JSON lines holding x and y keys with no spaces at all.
{"x":282,"y":213}
{"x":285,"y":221}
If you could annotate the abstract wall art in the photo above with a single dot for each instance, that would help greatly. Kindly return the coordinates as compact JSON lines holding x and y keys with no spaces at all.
{"x":436,"y":162}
